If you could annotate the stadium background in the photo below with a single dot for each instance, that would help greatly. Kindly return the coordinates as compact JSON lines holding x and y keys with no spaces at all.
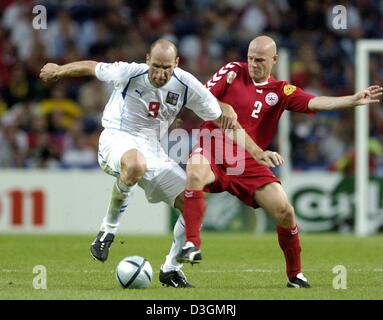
{"x":50,"y":181}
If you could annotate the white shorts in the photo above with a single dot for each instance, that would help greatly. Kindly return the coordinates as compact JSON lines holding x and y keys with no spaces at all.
{"x":163,"y":180}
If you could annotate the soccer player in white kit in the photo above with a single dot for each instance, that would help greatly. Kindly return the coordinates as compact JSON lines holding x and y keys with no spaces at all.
{"x":146,"y":99}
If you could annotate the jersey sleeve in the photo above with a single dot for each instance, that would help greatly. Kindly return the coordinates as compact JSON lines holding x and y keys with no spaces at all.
{"x":118,"y":73}
{"x":219,"y":82}
{"x":296,"y":99}
{"x":199,"y":99}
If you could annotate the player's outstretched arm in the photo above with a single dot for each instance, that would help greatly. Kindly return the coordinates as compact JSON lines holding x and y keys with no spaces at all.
{"x":53,"y":72}
{"x":366,"y":96}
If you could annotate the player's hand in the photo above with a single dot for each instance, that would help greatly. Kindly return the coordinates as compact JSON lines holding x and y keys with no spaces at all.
{"x":228,"y":119}
{"x":269,"y":158}
{"x":369,"y":95}
{"x":49,"y":72}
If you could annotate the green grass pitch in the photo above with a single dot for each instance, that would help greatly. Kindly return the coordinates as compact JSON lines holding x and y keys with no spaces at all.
{"x":235,"y":266}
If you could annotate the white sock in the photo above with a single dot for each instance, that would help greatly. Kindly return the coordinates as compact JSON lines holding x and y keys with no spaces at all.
{"x":117,"y":206}
{"x":178,"y":241}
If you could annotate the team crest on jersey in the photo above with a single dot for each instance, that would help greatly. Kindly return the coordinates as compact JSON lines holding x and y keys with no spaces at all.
{"x":230,"y":77}
{"x":172,"y":98}
{"x":271,"y":98}
{"x":289,"y":89}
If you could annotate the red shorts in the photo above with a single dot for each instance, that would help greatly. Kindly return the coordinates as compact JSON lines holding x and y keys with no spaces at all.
{"x":239,"y":175}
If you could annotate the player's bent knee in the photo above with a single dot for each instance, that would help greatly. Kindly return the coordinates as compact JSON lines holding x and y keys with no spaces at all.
{"x":132,"y":171}
{"x":286,"y":216}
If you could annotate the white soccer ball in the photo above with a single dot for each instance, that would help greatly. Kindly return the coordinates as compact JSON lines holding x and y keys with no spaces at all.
{"x":134,"y":273}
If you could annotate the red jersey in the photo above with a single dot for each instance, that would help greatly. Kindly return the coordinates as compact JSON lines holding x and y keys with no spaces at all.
{"x":258,"y":106}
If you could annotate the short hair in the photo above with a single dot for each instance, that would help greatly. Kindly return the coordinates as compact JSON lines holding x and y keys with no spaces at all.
{"x":164,"y":44}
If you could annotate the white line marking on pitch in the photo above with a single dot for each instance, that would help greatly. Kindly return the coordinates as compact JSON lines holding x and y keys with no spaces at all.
{"x":201,"y":271}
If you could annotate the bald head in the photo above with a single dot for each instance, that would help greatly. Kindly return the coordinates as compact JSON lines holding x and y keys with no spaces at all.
{"x":163,"y":46}
{"x":261,"y":56}
{"x":264,"y":44}
{"x":161,"y":59}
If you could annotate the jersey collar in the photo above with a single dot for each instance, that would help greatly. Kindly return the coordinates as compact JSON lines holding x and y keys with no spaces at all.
{"x":270,"y":79}
{"x":260,"y":83}
{"x":150,"y":86}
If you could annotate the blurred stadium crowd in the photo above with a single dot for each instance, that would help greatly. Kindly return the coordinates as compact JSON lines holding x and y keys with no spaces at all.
{"x":57,"y":126}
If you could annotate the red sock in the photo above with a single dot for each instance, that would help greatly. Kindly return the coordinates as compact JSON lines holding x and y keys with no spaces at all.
{"x":288,"y":239}
{"x":194,"y":209}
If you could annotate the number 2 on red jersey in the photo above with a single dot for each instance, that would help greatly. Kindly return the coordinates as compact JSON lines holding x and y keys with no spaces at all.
{"x":257,"y":109}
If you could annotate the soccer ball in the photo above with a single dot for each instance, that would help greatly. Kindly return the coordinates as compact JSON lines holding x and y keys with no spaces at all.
{"x":134,"y":273}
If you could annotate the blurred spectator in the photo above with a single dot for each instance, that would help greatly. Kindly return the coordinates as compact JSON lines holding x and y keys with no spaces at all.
{"x":13,"y":143}
{"x":336,"y":143}
{"x":44,"y":148}
{"x":18,"y":86}
{"x":346,"y":163}
{"x":8,"y":57}
{"x":253,"y":20}
{"x":78,"y":151}
{"x":304,"y":67}
{"x":61,"y":110}
{"x":58,"y":36}
{"x":93,"y":97}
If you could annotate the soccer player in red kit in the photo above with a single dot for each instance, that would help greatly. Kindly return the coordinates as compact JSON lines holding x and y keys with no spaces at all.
{"x":259,"y":101}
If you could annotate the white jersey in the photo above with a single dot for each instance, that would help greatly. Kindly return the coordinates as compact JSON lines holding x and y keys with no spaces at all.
{"x":139,"y":108}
